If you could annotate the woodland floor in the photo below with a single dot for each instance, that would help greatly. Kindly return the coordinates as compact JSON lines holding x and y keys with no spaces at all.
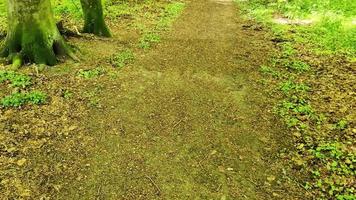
{"x":186,"y":120}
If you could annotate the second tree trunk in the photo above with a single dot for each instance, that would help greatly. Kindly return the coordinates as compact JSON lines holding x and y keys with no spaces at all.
{"x":94,"y":18}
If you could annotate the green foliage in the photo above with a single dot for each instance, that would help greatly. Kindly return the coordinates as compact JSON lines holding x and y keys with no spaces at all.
{"x":2,"y":9}
{"x":342,"y":124}
{"x":296,"y":65}
{"x":292,"y":87}
{"x":335,"y":164}
{"x":302,"y":8}
{"x":90,"y":73}
{"x":294,"y":108}
{"x":328,"y":158}
{"x":15,"y":79}
{"x":268,"y":70}
{"x":287,"y":50}
{"x":18,"y":99}
{"x":331,"y":33}
{"x":68,"y":8}
{"x":67,"y":94}
{"x":333,"y":29}
{"x":123,"y":58}
{"x":148,"y":39}
{"x":116,"y":9}
{"x":171,"y":12}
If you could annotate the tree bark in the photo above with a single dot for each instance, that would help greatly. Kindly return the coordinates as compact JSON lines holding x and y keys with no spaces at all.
{"x":32,"y":34}
{"x":94,"y":18}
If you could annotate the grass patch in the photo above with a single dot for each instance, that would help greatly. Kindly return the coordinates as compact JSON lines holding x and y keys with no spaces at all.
{"x":171,"y":12}
{"x":332,"y":30}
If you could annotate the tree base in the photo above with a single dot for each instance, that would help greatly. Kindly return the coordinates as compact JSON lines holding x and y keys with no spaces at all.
{"x":94,"y":21}
{"x":32,"y":46}
{"x":99,"y":29}
{"x":32,"y":34}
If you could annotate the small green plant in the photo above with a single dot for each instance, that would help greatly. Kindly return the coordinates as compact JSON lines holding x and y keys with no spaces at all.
{"x":290,"y":86}
{"x":269,"y":70}
{"x":18,"y":99}
{"x":148,"y":39}
{"x":90,"y":73}
{"x":93,"y":97}
{"x":297,"y":65}
{"x":123,"y":58}
{"x":67,"y":94}
{"x":15,"y":79}
{"x":287,"y":50}
{"x":342,"y":124}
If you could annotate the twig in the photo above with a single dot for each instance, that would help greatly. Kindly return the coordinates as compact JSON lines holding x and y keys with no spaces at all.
{"x":158,"y":191}
{"x":176,"y":124}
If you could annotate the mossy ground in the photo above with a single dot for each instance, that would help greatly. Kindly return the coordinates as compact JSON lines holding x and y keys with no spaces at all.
{"x":186,"y":117}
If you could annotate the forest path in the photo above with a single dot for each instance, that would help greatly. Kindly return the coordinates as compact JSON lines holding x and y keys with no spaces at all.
{"x":187,"y":120}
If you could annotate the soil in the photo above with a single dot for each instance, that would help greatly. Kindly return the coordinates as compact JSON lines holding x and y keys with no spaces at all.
{"x":187,"y":120}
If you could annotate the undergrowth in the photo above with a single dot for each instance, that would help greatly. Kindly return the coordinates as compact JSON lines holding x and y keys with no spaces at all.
{"x":19,"y":83}
{"x":328,"y":159}
{"x":323,"y":149}
{"x":18,"y":99}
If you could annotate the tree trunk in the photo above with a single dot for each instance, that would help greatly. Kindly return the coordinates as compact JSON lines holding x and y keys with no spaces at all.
{"x":94,"y":18}
{"x":32,"y":33}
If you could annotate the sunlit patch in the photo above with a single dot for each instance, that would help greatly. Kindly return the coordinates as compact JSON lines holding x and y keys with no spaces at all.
{"x":224,"y":2}
{"x":286,"y":21}
{"x":353,"y":22}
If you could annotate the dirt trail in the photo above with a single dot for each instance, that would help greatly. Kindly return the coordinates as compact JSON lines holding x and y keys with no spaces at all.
{"x":187,"y":120}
